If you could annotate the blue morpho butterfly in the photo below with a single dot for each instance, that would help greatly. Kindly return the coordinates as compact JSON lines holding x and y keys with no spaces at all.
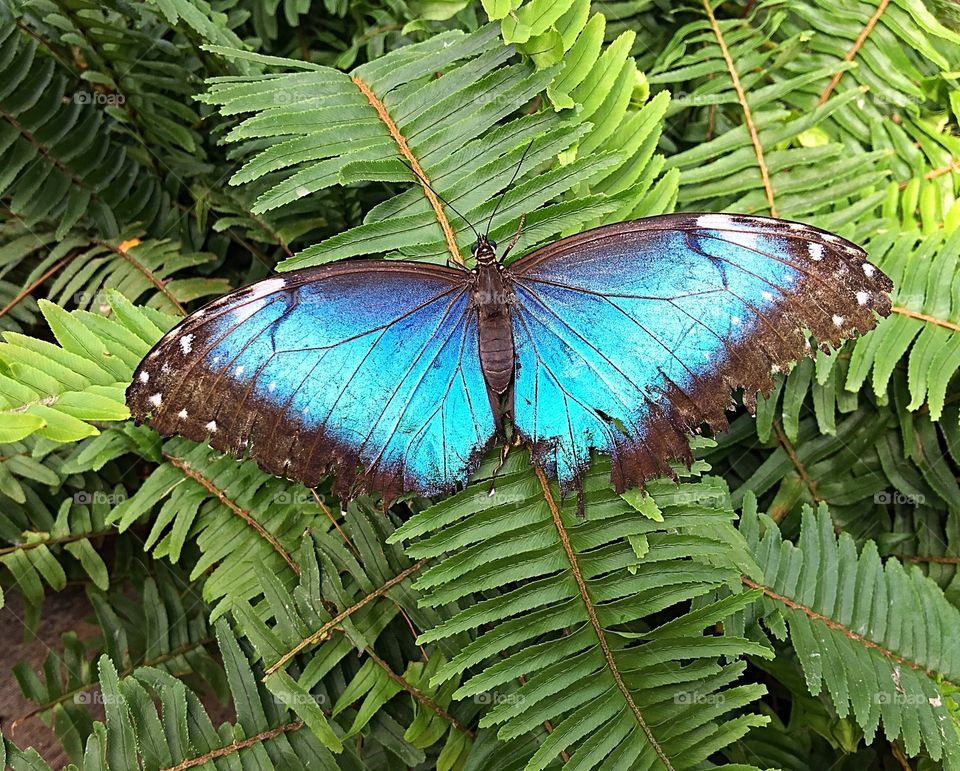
{"x":400,"y":375}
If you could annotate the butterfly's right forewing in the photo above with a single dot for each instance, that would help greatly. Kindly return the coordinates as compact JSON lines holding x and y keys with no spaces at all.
{"x":369,"y":368}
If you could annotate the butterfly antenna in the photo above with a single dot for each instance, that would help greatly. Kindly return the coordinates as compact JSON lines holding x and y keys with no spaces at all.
{"x":427,"y":185}
{"x":507,"y":188}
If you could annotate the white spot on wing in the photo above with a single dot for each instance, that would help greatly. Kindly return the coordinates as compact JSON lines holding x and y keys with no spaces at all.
{"x":144,"y":376}
{"x":816,"y":251}
{"x":863,"y":298}
{"x":269,"y":286}
{"x":238,"y":371}
{"x":732,"y":232}
{"x":211,"y":426}
{"x":271,"y":387}
{"x":736,"y":321}
{"x":182,"y":414}
{"x":713,"y":221}
{"x":186,"y":343}
{"x":156,"y":399}
{"x":768,"y":296}
{"x":838,"y":321}
{"x":868,"y":270}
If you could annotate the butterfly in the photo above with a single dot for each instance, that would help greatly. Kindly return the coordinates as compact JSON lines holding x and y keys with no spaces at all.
{"x":399,"y":376}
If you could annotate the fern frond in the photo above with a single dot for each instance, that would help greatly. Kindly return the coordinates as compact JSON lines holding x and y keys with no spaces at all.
{"x":309,"y":648}
{"x":162,"y":626}
{"x":925,"y":322}
{"x":134,"y":268}
{"x":59,"y":161}
{"x":750,"y":153}
{"x":41,"y":541}
{"x":265,"y":736}
{"x":237,"y":515}
{"x":870,"y":635}
{"x":441,"y":128}
{"x":617,"y":684}
{"x":112,"y":46}
{"x":58,"y":391}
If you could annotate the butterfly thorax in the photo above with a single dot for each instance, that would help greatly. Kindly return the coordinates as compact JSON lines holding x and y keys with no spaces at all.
{"x":492,"y":296}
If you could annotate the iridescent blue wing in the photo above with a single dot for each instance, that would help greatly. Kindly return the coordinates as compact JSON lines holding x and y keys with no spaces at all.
{"x":368,"y":367}
{"x":630,"y":336}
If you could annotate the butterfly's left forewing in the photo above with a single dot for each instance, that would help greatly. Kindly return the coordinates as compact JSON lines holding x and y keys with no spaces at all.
{"x":630,"y":336}
{"x":368,"y":367}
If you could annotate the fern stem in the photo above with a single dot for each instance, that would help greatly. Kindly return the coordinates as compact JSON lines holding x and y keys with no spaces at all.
{"x":594,"y":621}
{"x":950,"y":168}
{"x":236,"y":746}
{"x":924,"y":317}
{"x":324,"y":630}
{"x":798,"y":465}
{"x":333,"y":521}
{"x":47,"y":153}
{"x":852,"y":53}
{"x":160,"y":285}
{"x":407,"y":153}
{"x":27,"y":291}
{"x":848,"y":633}
{"x":747,"y":115}
{"x":246,"y":517}
{"x":55,"y":541}
{"x":419,"y":695}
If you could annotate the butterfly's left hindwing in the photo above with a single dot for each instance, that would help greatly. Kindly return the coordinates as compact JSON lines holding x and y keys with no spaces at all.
{"x":630,"y":336}
{"x":371,"y":368}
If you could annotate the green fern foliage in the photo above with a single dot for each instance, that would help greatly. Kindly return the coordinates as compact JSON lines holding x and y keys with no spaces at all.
{"x":899,"y":668}
{"x":577,"y":630}
{"x":56,"y":391}
{"x":157,"y":153}
{"x":59,"y":162}
{"x":407,"y":119}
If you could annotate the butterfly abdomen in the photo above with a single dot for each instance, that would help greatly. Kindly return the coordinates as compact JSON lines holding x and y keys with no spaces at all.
{"x":492,"y":296}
